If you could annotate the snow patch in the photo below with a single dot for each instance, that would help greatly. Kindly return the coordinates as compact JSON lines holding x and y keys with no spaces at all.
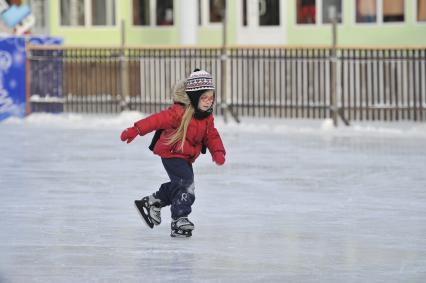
{"x":247,"y":125}
{"x":84,"y":121}
{"x":327,"y":125}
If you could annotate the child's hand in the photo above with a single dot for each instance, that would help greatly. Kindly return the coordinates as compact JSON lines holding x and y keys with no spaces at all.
{"x":129,"y":134}
{"x":219,"y":157}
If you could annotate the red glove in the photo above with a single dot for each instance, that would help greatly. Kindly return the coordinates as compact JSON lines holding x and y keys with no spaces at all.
{"x":219,"y":157}
{"x":129,"y":134}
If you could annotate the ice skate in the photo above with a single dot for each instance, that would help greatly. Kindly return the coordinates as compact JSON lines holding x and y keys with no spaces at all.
{"x":150,"y":209}
{"x":182,"y":228}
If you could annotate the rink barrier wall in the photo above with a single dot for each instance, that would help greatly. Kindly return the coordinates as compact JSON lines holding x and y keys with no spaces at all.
{"x":383,"y":84}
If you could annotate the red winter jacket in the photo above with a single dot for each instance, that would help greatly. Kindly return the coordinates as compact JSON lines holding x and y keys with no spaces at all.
{"x":199,"y":132}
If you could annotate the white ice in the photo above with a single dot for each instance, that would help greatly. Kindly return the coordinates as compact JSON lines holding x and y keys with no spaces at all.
{"x":296,"y":201}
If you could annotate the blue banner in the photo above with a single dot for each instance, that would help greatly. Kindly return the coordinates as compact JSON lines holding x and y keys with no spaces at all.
{"x":45,"y":40}
{"x":12,"y":77}
{"x":12,"y":74}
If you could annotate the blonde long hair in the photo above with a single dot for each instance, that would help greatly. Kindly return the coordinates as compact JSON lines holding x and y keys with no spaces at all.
{"x":180,"y":96}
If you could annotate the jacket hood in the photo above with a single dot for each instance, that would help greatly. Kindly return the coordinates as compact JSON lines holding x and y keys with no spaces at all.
{"x":179,"y":94}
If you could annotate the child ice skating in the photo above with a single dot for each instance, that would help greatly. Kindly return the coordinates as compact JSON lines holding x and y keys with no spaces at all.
{"x":182,"y":132}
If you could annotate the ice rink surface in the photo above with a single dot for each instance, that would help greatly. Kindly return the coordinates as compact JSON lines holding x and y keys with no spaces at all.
{"x":295,"y":202}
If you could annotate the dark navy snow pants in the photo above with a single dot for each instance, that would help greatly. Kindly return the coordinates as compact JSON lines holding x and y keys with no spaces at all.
{"x":179,"y":192}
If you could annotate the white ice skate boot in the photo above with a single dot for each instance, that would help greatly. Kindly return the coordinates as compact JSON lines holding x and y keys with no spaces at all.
{"x":150,"y":209}
{"x":182,"y":228}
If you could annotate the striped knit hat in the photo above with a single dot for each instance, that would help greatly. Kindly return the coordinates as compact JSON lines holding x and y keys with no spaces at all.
{"x":199,"y":80}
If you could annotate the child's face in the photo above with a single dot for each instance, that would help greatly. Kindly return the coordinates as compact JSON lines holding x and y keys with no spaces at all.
{"x":206,"y":100}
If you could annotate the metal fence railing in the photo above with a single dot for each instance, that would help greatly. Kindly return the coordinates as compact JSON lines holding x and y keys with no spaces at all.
{"x":386,"y":84}
{"x":280,"y":82}
{"x":359,"y":84}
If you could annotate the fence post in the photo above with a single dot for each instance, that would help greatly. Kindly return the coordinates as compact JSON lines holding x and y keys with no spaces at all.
{"x":124,"y":74}
{"x":335,"y":111}
{"x":223,"y":60}
{"x":27,"y":78}
{"x":333,"y":97}
{"x":226,"y":109}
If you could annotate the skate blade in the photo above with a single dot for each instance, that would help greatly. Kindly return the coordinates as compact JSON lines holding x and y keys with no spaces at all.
{"x":184,"y":235}
{"x":145,"y":217}
{"x":180,"y":236}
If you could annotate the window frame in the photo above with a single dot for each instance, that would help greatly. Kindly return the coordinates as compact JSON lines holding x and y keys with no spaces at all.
{"x":103,"y":26}
{"x":318,"y":16}
{"x":205,"y":14}
{"x":153,"y":17}
{"x":379,"y":16}
{"x":88,"y":17}
{"x":378,"y":12}
{"x":46,"y":28}
{"x":416,"y":9}
{"x":321,"y":13}
{"x":251,"y":25}
{"x":71,"y":26}
{"x":255,"y":34}
{"x":280,"y":14}
{"x":393,"y":23}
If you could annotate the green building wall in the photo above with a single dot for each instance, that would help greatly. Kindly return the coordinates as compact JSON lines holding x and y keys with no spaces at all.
{"x":409,"y":33}
{"x":136,"y":35}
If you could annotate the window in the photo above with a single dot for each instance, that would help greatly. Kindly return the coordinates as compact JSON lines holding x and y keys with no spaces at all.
{"x":216,"y":10}
{"x":103,"y":13}
{"x":244,"y":13}
{"x":327,"y":10}
{"x":39,"y":9}
{"x":161,"y":15}
{"x":164,"y":12}
{"x":141,"y":12}
{"x":269,"y":12}
{"x":72,"y":13}
{"x":199,"y":13}
{"x":393,"y":11}
{"x":421,"y":10}
{"x":210,"y":12}
{"x":87,"y":12}
{"x":306,"y":11}
{"x":366,"y":11}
